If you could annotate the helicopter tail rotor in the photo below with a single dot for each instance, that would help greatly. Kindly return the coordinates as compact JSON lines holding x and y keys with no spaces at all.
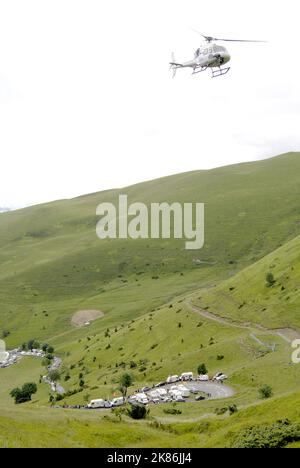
{"x":173,"y":66}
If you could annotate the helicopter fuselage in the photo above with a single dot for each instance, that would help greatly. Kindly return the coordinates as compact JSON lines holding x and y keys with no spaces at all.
{"x":209,"y":55}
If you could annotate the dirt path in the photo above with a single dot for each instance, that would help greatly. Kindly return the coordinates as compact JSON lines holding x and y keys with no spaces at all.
{"x":287,"y":334}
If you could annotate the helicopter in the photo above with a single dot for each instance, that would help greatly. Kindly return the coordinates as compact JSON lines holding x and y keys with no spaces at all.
{"x":208,"y":55}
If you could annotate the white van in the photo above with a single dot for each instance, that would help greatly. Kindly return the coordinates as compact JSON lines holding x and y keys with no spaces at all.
{"x":117,"y":401}
{"x":96,"y":404}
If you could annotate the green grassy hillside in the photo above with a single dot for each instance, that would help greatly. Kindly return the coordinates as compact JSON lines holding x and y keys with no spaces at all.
{"x":248,"y":296}
{"x":51,"y":261}
{"x":52,"y":264}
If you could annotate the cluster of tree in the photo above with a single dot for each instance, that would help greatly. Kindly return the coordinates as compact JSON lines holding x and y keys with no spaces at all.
{"x":24,"y":394}
{"x":35,"y":344}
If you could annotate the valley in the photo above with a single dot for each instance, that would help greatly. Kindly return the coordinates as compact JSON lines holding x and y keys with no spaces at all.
{"x":151,"y":308}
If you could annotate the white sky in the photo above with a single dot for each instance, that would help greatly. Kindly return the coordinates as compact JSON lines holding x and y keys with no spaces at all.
{"x":87,"y":101}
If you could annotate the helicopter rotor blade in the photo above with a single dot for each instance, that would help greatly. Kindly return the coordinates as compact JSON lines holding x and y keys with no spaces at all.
{"x":238,"y":40}
{"x":210,"y":38}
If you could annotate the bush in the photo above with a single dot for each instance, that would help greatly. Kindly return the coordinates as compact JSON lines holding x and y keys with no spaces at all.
{"x":221,"y":411}
{"x":275,"y":435}
{"x":172,"y":411}
{"x":265,"y":392}
{"x":270,"y":280}
{"x":137,"y":412}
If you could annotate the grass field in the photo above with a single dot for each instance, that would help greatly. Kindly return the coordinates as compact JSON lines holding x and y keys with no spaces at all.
{"x":52,"y":265}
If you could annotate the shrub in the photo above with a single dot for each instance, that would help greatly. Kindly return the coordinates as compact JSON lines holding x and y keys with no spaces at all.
{"x":137,"y":412}
{"x":172,"y":411}
{"x":275,"y":435}
{"x":265,"y":392}
{"x":270,"y":279}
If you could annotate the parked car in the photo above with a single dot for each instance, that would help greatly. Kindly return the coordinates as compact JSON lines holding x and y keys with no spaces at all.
{"x":200,"y":398}
{"x":194,"y":390}
{"x":219,"y":377}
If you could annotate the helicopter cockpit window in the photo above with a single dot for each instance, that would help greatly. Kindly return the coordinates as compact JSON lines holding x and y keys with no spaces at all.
{"x":218,"y":48}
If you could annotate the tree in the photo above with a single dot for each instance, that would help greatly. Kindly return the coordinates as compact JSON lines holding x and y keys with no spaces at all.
{"x":125,"y":382}
{"x":270,"y":279}
{"x":266,"y":392}
{"x":24,"y":394}
{"x":33,"y":344}
{"x":202,"y":369}
{"x":137,"y":412}
{"x":54,"y":375}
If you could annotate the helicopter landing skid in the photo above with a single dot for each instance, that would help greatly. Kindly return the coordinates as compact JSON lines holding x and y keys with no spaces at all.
{"x":197,"y":70}
{"x":219,"y":72}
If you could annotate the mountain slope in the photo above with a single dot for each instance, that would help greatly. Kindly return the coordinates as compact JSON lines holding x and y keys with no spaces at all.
{"x":248,"y":296}
{"x":51,"y":261}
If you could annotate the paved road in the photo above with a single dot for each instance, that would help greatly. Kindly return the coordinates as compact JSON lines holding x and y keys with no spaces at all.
{"x":216,"y":390}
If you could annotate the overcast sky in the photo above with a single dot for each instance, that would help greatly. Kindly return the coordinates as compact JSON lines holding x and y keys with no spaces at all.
{"x":87,"y":101}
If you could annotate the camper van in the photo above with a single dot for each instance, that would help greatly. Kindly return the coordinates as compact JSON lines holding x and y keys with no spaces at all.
{"x":172,"y":378}
{"x":154,"y":394}
{"x":203,"y":378}
{"x":142,"y":398}
{"x":175,"y":394}
{"x":184,"y":391}
{"x":95,"y":404}
{"x":187,"y":376}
